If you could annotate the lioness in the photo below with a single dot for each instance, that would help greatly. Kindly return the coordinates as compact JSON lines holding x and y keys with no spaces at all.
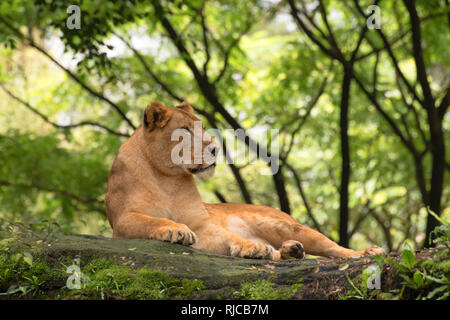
{"x":151,"y":197}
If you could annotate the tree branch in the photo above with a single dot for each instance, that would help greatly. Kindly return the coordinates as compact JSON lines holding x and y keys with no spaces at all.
{"x":295,"y":12}
{"x":331,"y":37}
{"x":57,"y":191}
{"x":227,"y":52}
{"x":234,"y":169}
{"x":390,"y":121}
{"x":59,"y":126}
{"x":305,"y":117}
{"x":413,"y":109}
{"x":391,"y":54}
{"x":299,"y":185}
{"x":74,"y":77}
{"x":418,"y":54}
{"x":443,"y":106}
{"x":205,"y":38}
{"x":220,"y":196}
{"x":147,"y":68}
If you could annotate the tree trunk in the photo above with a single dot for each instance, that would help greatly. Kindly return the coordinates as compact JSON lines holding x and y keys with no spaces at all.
{"x":345,"y":158}
{"x":281,"y":191}
{"x":434,"y":122}
{"x":437,"y":173}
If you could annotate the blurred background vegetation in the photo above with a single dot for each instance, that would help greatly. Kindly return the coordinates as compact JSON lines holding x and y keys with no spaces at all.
{"x":362,"y":112}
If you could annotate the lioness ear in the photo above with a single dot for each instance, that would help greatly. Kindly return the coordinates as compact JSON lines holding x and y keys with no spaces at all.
{"x":186,"y":107}
{"x":156,"y":115}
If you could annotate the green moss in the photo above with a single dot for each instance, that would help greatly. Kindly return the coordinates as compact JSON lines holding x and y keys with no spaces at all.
{"x":24,"y":273}
{"x":23,"y":277}
{"x":107,"y":280}
{"x":263,"y":289}
{"x":98,"y":264}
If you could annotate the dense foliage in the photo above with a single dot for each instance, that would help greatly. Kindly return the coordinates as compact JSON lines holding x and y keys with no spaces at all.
{"x":361,"y":113}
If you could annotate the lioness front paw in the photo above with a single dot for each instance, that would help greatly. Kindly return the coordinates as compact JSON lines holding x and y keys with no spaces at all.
{"x":175,"y":234}
{"x":292,"y":249}
{"x":253,"y":250}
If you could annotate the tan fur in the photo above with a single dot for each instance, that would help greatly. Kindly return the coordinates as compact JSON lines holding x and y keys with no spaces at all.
{"x":150,"y":197}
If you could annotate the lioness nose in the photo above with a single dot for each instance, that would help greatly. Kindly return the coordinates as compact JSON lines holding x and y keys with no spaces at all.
{"x":214,"y":150}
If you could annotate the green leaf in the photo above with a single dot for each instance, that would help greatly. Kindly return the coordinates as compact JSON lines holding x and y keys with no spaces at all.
{"x":441,"y":220}
{"x":443,"y":280}
{"x":28,"y":258}
{"x":418,"y":279}
{"x":379,"y":260}
{"x":408,"y":258}
{"x":354,"y":286}
{"x":16,"y":257}
{"x":401,"y":267}
{"x":436,"y":291}
{"x":405,"y":277}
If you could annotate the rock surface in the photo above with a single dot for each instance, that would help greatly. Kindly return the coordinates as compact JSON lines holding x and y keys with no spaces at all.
{"x":221,"y":276}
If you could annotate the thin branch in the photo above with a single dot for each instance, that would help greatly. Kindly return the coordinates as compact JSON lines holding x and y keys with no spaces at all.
{"x":386,"y":228}
{"x":303,"y":196}
{"x":357,"y":223}
{"x":305,"y":117}
{"x":220,"y":196}
{"x":391,"y":54}
{"x":59,"y":126}
{"x":295,"y":12}
{"x":310,"y":17}
{"x":227,"y":52}
{"x":391,"y":122}
{"x":376,"y":50}
{"x":205,"y":31}
{"x":148,"y":69}
{"x":407,"y":143}
{"x":74,"y":77}
{"x":395,"y":39}
{"x":413,"y":109}
{"x":375,"y":75}
{"x":57,"y":191}
{"x":178,"y":41}
{"x":331,"y":37}
{"x":235,"y":170}
{"x":362,"y":35}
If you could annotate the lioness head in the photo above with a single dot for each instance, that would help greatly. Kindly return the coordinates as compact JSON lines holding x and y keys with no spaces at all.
{"x":176,"y":141}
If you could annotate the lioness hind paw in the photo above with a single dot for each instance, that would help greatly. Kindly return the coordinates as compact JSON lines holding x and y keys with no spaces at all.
{"x":373,"y":250}
{"x":292,"y":249}
{"x":252,"y":250}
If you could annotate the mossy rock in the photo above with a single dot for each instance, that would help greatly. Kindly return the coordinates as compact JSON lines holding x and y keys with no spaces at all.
{"x":36,"y":267}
